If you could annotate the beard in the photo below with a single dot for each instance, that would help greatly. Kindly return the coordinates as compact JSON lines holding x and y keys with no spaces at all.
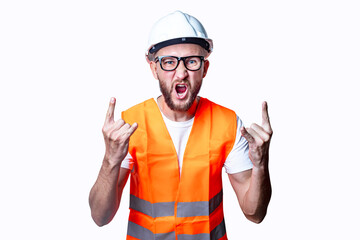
{"x":193,"y":91}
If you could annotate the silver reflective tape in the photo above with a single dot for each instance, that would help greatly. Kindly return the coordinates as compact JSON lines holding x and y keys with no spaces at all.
{"x":142,"y":233}
{"x":140,"y":205}
{"x":201,"y":236}
{"x":191,"y":209}
{"x":215,"y":201}
{"x":163,"y":209}
{"x":201,"y":208}
{"x":139,"y":232}
{"x":165,"y":236}
{"x":184,"y":209}
{"x":154,"y":210}
{"x":219,"y":231}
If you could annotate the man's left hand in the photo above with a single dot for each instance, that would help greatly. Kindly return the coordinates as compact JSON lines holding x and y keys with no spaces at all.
{"x":259,"y":139}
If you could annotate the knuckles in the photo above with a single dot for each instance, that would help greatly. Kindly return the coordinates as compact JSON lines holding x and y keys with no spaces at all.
{"x":105,"y":131}
{"x":116,"y":132}
{"x":121,"y":122}
{"x":267,"y":137}
{"x":259,"y":142}
{"x":270,"y":133}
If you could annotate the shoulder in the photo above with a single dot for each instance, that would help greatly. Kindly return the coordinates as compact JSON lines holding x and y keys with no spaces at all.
{"x":223,"y":120}
{"x":137,"y":112}
{"x":218,"y":110}
{"x":141,"y":105}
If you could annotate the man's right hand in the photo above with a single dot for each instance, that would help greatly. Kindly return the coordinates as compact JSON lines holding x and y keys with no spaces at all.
{"x":116,"y":136}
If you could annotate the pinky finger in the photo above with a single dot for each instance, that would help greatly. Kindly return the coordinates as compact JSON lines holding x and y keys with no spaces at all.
{"x":132,"y":129}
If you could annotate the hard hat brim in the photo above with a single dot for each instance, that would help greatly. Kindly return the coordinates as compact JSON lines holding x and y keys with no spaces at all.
{"x":205,"y":43}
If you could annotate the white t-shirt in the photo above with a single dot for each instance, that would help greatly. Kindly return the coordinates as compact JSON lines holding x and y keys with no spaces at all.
{"x":237,"y":160}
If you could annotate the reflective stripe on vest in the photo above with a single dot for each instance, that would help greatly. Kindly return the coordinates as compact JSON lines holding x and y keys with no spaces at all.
{"x":140,"y":232}
{"x":154,"y":210}
{"x":184,"y":209}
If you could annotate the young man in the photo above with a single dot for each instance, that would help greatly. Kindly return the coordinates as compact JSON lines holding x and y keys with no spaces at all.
{"x":174,"y":148}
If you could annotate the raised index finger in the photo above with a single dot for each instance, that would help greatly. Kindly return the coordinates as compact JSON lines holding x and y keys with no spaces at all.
{"x":110,"y":111}
{"x":265,"y":118}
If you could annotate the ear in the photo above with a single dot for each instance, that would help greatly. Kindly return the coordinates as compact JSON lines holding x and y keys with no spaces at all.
{"x":206,"y":67}
{"x":153,"y":68}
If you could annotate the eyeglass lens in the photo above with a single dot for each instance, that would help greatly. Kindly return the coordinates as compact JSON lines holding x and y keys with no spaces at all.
{"x":169,"y":63}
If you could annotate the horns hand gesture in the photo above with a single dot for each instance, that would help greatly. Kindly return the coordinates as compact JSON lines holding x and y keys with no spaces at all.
{"x":116,"y":135}
{"x":259,"y":139}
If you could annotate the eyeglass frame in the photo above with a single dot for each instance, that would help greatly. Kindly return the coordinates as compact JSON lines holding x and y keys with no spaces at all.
{"x":158,"y":59}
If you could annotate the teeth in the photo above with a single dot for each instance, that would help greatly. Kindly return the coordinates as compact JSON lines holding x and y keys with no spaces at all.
{"x":181,"y":90}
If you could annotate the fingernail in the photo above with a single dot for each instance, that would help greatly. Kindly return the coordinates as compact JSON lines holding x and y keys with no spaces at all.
{"x":112,"y":100}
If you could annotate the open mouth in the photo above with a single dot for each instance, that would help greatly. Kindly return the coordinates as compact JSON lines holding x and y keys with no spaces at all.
{"x":181,"y":90}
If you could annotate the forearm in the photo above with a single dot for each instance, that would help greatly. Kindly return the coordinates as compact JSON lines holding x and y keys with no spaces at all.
{"x":104,"y":196}
{"x":257,"y":197}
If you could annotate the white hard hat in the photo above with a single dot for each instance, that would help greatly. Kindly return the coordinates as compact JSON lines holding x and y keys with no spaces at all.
{"x":176,"y":28}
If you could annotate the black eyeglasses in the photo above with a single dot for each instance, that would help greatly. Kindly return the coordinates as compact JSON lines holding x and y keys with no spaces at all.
{"x":170,"y":63}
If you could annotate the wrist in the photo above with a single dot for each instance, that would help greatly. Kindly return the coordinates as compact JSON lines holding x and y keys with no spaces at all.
{"x":110,"y":165}
{"x":109,"y":174}
{"x":261,"y":169}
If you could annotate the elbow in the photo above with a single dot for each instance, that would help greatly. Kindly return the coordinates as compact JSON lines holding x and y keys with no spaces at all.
{"x":101,"y":218}
{"x":257,"y":214}
{"x":97,"y":216}
{"x":100,"y":224}
{"x":256,"y":217}
{"x":99,"y":221}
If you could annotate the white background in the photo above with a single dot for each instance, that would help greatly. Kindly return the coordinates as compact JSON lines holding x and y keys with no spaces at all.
{"x":61,"y":61}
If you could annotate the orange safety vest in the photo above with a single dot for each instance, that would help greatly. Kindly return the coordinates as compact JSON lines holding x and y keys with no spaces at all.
{"x":164,"y":206}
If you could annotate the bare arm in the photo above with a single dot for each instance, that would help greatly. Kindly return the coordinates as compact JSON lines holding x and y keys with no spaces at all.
{"x":253,"y":190}
{"x":253,"y":187}
{"x":105,"y":195}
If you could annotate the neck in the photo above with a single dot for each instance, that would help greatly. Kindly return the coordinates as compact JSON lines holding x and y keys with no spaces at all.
{"x":177,"y":116}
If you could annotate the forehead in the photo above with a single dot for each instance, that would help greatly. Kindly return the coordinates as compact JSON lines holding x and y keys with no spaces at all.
{"x":181,"y":50}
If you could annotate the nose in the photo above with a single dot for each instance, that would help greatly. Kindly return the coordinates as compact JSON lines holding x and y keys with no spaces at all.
{"x":181,"y":71}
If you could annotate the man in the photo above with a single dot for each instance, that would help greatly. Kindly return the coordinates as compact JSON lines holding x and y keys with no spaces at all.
{"x":174,"y":148}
